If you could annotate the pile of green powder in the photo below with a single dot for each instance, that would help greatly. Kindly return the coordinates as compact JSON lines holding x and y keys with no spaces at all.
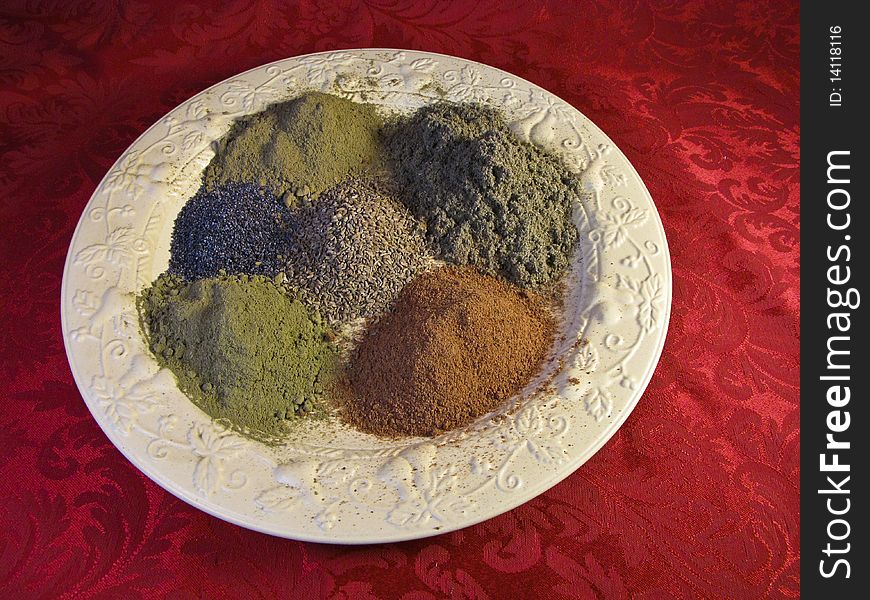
{"x":300,"y":147}
{"x":243,"y":351}
{"x":487,"y":198}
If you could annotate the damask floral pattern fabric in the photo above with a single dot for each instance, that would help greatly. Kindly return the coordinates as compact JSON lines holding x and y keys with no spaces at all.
{"x":695,"y":496}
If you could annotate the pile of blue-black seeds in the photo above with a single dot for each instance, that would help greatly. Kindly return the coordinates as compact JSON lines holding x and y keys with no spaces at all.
{"x":236,"y":228}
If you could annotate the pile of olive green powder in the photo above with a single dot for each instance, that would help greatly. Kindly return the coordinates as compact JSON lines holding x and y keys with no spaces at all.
{"x":246,"y":353}
{"x":300,"y":147}
{"x":487,"y":198}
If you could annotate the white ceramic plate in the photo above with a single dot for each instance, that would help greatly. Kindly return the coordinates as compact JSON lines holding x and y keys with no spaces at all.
{"x":331,"y":483}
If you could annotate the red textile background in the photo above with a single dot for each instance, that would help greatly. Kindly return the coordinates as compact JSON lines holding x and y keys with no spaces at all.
{"x":696,"y":495}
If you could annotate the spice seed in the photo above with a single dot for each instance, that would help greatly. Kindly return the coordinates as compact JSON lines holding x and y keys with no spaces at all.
{"x":353,"y":251}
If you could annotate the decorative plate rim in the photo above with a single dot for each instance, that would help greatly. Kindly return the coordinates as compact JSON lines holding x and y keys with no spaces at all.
{"x":507,"y":501}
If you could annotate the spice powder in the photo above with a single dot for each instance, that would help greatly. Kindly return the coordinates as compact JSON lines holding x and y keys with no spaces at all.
{"x":456,"y":345}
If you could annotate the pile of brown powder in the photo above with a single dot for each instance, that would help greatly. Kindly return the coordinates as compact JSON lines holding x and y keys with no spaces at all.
{"x":455,"y":346}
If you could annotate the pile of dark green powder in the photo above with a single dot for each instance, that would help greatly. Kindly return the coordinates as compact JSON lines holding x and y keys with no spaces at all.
{"x":244,"y":352}
{"x":315,"y":214}
{"x":487,"y":198}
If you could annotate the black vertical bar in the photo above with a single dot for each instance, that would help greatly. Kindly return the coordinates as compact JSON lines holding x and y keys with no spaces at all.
{"x":834,"y":343}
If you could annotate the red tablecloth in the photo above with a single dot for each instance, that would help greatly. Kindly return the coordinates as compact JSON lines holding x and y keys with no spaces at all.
{"x":695,"y":496}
